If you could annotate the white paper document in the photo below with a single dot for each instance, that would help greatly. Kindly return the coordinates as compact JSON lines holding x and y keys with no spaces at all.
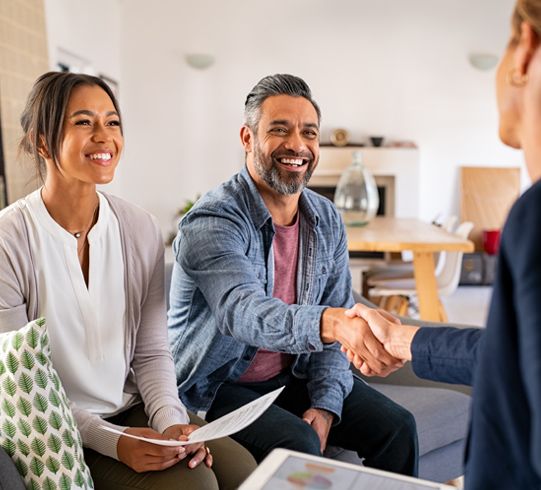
{"x":222,"y":427}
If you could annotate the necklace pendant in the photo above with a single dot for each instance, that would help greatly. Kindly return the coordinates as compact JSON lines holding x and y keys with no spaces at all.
{"x":77,"y":235}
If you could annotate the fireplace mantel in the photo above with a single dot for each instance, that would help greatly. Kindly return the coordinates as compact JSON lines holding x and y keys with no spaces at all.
{"x":400,"y":163}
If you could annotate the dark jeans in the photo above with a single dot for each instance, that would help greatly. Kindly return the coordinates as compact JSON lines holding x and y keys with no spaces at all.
{"x":379,"y":430}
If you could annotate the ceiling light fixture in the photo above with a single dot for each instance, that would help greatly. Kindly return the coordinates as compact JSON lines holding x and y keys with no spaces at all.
{"x":200,"y":61}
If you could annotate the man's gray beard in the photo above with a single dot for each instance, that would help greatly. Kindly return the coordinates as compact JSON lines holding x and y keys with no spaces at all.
{"x":271,"y":176}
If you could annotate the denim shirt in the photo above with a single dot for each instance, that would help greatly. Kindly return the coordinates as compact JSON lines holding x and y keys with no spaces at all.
{"x":222,"y":306}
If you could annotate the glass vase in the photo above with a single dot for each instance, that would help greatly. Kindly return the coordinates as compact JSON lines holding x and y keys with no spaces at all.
{"x":356,"y":195}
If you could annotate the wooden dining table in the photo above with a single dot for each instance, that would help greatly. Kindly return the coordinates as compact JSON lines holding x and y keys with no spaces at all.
{"x":387,"y":234}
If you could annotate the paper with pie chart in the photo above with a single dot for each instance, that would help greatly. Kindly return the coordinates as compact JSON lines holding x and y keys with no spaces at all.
{"x":300,"y":474}
{"x":222,"y":427}
{"x":296,"y":473}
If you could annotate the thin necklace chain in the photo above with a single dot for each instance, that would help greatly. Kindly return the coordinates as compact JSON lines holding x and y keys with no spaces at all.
{"x":77,"y":234}
{"x":85,"y":241}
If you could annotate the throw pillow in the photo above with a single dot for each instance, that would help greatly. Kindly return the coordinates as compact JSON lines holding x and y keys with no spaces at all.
{"x":37,"y":428}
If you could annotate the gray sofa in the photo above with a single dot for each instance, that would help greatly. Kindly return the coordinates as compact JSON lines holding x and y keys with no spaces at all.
{"x":9,"y":476}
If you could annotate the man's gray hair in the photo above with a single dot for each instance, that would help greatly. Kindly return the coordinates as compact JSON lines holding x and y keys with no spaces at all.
{"x":275,"y":85}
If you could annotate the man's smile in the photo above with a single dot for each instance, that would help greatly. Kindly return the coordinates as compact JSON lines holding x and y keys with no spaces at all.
{"x":294,"y":162}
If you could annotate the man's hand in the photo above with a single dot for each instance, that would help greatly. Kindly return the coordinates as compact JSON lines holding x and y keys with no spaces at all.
{"x":181,"y":432}
{"x":321,"y":421}
{"x":143,"y":456}
{"x":355,"y":336}
{"x":395,"y":337}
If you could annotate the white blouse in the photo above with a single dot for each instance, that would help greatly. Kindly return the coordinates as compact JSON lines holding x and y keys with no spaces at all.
{"x":86,"y":325}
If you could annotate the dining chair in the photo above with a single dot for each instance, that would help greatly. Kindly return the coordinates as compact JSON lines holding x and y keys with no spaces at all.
{"x":395,"y":294}
{"x":404,"y":270}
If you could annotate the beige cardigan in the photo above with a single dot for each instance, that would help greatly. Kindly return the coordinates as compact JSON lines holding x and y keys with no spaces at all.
{"x":146,"y":322}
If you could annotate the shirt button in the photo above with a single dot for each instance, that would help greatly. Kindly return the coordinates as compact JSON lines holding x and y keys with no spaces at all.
{"x":311,"y":347}
{"x":246,"y":358}
{"x":324,"y":271}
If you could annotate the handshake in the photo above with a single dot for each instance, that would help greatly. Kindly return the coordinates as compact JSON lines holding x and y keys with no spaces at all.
{"x":373,"y":340}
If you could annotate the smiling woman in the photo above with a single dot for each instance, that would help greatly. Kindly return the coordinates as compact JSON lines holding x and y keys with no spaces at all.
{"x":92,"y":265}
{"x":92,"y":140}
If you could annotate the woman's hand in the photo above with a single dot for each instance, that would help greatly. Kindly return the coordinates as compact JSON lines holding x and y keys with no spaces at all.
{"x":143,"y":456}
{"x":180,"y":432}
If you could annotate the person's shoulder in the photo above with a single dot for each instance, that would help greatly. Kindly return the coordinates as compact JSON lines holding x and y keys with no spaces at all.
{"x":12,"y":213}
{"x":232,"y":199}
{"x":12,"y":219}
{"x":139,"y":225}
{"x":229,"y":191}
{"x":322,"y":206}
{"x":528,"y":206}
{"x":130,"y":211}
{"x":317,"y":199}
{"x":523,"y":225}
{"x":533,"y":194}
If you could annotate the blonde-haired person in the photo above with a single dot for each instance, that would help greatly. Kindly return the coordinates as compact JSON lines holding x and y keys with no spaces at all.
{"x":92,"y":265}
{"x":504,"y":360}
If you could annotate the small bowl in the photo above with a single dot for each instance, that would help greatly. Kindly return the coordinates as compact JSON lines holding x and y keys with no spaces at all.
{"x":376,"y":140}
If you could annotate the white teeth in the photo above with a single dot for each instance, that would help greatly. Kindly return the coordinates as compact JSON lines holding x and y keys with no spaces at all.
{"x":292,"y":161}
{"x":100,"y":156}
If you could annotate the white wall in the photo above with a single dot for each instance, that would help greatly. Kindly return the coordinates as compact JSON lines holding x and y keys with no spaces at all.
{"x":86,"y":33}
{"x":388,"y":67}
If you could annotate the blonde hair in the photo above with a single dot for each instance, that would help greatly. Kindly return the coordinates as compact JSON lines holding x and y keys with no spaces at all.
{"x":526,"y":11}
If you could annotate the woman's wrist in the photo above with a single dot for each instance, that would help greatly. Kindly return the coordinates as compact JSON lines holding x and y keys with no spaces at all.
{"x":399,"y":343}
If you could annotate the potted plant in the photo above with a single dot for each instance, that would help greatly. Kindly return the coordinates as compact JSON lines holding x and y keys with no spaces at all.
{"x":188,"y":204}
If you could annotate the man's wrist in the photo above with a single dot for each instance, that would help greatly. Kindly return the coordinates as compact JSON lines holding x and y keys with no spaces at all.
{"x":329,"y":321}
{"x":328,"y":416}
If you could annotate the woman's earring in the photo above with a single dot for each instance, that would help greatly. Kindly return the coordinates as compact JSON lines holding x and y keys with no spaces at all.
{"x":515,"y":79}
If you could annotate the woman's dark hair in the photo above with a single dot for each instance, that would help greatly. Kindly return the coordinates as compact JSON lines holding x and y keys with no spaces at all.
{"x":43,"y":116}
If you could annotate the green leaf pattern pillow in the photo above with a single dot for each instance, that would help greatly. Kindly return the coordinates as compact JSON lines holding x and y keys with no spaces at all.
{"x":37,"y":428}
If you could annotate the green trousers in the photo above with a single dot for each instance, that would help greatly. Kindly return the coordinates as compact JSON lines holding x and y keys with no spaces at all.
{"x":231,"y":465}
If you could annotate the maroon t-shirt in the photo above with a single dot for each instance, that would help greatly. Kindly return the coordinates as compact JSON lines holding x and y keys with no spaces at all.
{"x":267,"y":364}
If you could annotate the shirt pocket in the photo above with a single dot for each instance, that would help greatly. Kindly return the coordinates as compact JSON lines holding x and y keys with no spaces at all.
{"x":323,"y":272}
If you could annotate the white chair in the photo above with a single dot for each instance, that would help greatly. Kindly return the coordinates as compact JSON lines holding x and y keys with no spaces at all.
{"x":395,"y":294}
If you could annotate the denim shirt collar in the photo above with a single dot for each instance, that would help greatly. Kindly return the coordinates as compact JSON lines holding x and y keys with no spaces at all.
{"x":260,"y":213}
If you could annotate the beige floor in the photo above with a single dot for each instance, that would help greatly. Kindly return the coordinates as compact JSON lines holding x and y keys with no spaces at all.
{"x":468,"y":305}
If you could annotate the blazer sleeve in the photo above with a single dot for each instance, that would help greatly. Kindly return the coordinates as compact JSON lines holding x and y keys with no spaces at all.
{"x":446,"y":354}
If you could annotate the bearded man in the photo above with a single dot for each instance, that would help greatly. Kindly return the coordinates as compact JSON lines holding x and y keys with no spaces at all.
{"x":260,"y":284}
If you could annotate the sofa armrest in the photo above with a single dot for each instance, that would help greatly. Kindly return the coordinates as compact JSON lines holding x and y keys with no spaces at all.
{"x":406,"y":377}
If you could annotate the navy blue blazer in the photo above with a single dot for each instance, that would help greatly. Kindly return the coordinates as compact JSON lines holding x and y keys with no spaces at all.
{"x":504,"y":361}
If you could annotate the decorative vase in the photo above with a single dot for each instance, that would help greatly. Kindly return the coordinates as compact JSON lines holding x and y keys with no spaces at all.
{"x":356,"y":195}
